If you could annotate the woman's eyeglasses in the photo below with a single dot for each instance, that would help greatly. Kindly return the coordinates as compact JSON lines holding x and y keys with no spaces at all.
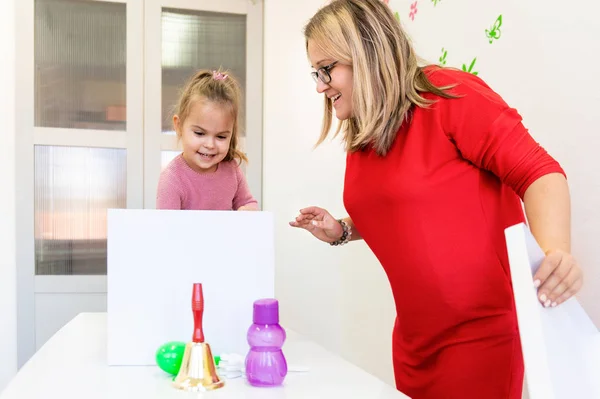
{"x":323,"y":73}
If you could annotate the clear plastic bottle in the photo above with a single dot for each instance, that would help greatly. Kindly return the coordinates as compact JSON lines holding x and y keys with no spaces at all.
{"x":265,"y":363}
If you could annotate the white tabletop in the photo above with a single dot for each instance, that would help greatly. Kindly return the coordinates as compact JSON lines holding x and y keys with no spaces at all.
{"x":72,"y":364}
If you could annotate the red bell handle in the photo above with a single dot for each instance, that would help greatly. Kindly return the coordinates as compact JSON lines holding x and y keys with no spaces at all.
{"x":198,"y":311}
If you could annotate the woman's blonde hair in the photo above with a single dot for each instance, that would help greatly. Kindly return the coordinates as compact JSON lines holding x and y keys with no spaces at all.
{"x":219,"y":87}
{"x":387,"y":81}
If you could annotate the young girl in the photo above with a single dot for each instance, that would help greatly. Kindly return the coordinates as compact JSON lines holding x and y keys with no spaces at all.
{"x":206,"y":175}
{"x":437,"y":165}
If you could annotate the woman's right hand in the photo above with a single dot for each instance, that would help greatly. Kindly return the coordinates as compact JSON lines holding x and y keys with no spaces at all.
{"x":320,"y":223}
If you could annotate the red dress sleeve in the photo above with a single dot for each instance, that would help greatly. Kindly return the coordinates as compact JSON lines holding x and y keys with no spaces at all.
{"x":491,"y":135}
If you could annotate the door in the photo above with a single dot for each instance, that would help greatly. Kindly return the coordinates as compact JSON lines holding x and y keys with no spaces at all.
{"x":80,"y":152}
{"x":95,"y":83}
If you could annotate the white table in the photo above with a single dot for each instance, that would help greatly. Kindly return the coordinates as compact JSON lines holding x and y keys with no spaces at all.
{"x":72,"y":364}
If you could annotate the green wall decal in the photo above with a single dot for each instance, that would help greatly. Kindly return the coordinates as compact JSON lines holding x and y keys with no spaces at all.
{"x":470,"y":69}
{"x":494,"y":33}
{"x":443,"y":56}
{"x":435,"y":2}
{"x":397,"y":16}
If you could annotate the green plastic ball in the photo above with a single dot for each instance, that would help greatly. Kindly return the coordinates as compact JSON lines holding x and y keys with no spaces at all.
{"x":169,"y":356}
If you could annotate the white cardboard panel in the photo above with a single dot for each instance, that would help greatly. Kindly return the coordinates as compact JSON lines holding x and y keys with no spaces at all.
{"x":154,"y":257}
{"x":561,"y":346}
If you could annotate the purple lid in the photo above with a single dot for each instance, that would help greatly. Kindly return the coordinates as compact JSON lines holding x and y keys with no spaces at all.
{"x":266,"y":311}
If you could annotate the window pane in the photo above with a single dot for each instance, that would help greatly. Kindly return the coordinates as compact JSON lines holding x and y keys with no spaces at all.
{"x":80,"y":56}
{"x":166,"y":157}
{"x":193,"y":40}
{"x":74,"y":186}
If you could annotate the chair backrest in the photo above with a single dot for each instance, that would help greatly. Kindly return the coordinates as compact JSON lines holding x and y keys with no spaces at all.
{"x":561,"y":346}
{"x":154,"y":257}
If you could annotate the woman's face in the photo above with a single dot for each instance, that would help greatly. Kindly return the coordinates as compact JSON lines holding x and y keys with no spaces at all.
{"x":334,"y":80}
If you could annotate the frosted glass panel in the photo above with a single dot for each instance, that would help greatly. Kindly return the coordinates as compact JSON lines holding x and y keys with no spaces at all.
{"x":80,"y":58}
{"x":166,"y":157}
{"x":193,"y":40}
{"x":74,"y":186}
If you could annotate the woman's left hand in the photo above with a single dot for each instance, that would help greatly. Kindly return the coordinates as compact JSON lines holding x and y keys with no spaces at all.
{"x":558,"y":278}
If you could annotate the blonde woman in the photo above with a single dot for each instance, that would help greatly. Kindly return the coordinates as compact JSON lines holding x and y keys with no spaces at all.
{"x":437,"y":166}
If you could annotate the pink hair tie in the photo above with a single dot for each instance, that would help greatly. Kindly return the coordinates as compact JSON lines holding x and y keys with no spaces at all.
{"x":219,"y":76}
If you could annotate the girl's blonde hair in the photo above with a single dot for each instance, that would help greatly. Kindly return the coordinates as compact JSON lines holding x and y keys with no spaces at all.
{"x":387,"y":80}
{"x":219,"y":87}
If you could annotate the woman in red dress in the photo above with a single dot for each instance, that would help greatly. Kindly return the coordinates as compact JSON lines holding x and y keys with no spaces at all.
{"x":437,"y":165}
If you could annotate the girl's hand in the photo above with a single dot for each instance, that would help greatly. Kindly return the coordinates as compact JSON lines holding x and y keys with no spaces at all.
{"x":320,"y":223}
{"x":250,"y":207}
{"x":558,"y":278}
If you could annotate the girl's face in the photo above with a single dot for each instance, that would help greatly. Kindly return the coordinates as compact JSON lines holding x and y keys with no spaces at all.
{"x":205,"y":134}
{"x":334,"y":81}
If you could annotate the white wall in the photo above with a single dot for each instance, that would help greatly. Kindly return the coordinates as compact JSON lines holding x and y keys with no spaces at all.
{"x":340,"y":296}
{"x":8,"y":286}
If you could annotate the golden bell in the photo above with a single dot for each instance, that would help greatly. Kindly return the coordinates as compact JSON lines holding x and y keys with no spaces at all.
{"x":198,"y":371}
